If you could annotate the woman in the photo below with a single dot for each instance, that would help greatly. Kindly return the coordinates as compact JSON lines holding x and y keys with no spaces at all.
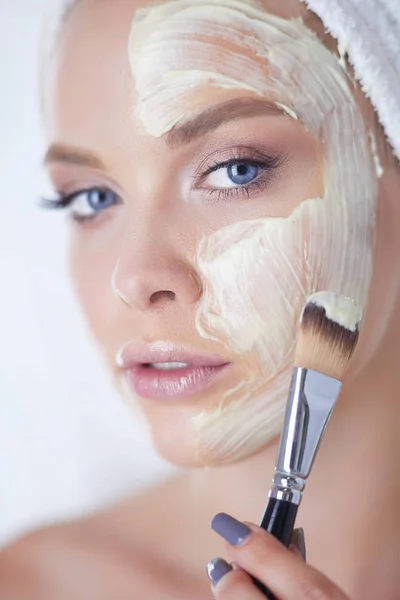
{"x":220,"y":164}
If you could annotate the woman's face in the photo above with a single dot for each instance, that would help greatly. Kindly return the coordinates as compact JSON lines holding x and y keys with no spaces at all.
{"x":218,"y":171}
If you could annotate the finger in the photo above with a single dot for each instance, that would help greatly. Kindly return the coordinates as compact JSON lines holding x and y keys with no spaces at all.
{"x":298,"y":543}
{"x":269,"y":561}
{"x":231,"y":583}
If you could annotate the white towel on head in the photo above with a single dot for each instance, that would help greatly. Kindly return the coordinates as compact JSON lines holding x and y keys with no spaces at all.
{"x":369,"y":31}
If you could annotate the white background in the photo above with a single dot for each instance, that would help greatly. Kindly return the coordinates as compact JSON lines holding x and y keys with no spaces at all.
{"x":67,"y":444}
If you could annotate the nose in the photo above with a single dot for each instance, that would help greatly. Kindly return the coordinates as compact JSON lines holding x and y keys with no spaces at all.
{"x":150,"y":274}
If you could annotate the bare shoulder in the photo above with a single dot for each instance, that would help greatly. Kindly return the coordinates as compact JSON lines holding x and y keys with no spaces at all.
{"x":105,"y":556}
{"x":153,"y":510}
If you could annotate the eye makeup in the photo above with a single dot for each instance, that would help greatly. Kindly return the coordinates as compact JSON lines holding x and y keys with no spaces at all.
{"x":240,"y":175}
{"x":217,"y":177}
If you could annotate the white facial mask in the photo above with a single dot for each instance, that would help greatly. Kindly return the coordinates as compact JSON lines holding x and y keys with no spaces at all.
{"x":258,"y":274}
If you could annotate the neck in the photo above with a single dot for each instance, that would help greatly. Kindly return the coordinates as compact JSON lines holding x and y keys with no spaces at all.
{"x":350,"y":506}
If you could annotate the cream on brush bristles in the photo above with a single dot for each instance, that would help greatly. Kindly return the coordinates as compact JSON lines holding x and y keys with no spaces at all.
{"x":329,"y":329}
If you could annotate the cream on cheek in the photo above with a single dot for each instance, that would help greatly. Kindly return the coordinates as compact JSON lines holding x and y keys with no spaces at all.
{"x":258,"y":274}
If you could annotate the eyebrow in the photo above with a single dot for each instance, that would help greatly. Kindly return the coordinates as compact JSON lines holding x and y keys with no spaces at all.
{"x":179,"y":135}
{"x":214,"y":117}
{"x":70,"y":155}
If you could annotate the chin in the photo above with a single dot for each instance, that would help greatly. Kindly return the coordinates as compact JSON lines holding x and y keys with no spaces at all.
{"x":176,"y":440}
{"x":224,"y":426}
{"x":173,"y":435}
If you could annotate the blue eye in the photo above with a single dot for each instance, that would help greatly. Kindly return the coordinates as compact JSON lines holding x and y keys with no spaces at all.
{"x":242,"y":173}
{"x":85,"y":204}
{"x":234,"y":174}
{"x":99,"y":199}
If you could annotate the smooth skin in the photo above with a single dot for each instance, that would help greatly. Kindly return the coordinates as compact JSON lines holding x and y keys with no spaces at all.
{"x":157,"y":545}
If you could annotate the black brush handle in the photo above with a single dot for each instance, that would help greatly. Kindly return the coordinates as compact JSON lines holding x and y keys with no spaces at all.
{"x":278,"y":520}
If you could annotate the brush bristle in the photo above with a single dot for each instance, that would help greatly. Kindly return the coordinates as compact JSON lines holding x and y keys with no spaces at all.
{"x":324,"y":345}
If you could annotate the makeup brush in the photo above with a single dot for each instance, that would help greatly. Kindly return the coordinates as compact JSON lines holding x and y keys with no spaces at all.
{"x":329,"y":329}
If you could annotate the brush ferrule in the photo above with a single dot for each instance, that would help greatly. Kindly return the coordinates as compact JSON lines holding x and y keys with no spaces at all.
{"x":311,"y":400}
{"x":287,"y":487}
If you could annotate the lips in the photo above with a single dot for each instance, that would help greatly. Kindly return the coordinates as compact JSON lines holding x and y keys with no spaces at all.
{"x":165,"y":371}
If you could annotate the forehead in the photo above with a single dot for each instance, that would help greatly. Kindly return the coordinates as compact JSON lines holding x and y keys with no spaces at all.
{"x":91,"y":76}
{"x":88,"y":66}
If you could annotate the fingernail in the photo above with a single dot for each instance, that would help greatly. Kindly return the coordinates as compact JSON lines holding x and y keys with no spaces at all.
{"x":217,"y":568}
{"x":232,"y":530}
{"x":298,"y":540}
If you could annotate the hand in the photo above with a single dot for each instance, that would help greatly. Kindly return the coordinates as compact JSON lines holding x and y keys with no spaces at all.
{"x":256,"y":552}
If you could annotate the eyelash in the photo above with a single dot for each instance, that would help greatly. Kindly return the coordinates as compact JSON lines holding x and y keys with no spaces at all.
{"x":267,"y":163}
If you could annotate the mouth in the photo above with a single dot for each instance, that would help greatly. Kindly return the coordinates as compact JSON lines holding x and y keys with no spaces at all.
{"x":165,"y":372}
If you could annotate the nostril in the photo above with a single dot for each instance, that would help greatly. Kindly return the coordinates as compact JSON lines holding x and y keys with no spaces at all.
{"x":162,"y":294}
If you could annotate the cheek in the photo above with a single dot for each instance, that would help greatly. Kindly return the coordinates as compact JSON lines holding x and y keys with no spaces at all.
{"x":255,"y":284}
{"x":91,"y":267}
{"x":257,"y":277}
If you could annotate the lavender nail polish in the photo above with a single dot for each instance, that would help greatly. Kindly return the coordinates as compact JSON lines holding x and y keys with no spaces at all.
{"x":232,"y":530}
{"x":217,"y":568}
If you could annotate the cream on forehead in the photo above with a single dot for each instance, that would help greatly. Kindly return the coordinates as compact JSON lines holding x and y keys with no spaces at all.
{"x":175,"y":47}
{"x":258,"y":274}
